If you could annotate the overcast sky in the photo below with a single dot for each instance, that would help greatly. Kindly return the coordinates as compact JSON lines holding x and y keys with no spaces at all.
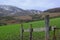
{"x":32,"y":4}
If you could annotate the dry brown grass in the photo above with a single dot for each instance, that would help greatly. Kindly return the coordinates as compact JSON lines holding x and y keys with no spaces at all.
{"x":50,"y":14}
{"x":24,"y":17}
{"x":43,"y":15}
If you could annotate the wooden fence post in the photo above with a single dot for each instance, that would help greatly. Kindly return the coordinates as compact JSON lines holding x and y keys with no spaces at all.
{"x":54,"y":37}
{"x":22,"y":30}
{"x":31,"y":30}
{"x":47,"y":27}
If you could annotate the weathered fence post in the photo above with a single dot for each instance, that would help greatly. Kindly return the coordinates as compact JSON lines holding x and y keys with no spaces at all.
{"x":47,"y":27}
{"x":31,"y":30}
{"x":54,"y":37}
{"x":22,"y":30}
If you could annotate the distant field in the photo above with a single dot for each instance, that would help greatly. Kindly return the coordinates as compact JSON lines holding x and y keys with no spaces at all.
{"x":12,"y":31}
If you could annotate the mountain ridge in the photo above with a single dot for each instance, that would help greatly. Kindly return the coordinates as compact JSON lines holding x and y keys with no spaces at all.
{"x":53,"y":10}
{"x":7,"y":10}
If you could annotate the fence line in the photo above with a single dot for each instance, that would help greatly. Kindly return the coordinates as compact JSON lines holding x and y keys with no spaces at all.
{"x":54,"y":34}
{"x":47,"y":29}
{"x":31,"y":29}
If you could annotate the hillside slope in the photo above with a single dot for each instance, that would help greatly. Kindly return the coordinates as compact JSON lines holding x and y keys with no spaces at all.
{"x":53,"y":10}
{"x":7,"y":10}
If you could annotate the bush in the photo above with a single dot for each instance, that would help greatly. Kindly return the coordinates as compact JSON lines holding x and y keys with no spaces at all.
{"x":1,"y":24}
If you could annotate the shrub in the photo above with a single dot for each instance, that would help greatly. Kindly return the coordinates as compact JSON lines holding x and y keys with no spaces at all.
{"x":1,"y":24}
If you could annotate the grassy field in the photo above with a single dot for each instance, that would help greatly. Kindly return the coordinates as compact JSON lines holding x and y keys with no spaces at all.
{"x":12,"y":31}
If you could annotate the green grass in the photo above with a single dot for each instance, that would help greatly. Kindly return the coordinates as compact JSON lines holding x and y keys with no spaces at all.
{"x":12,"y":31}
{"x":53,"y":22}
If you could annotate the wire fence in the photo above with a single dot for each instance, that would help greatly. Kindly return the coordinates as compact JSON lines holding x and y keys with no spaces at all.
{"x":49,"y":33}
{"x":56,"y":34}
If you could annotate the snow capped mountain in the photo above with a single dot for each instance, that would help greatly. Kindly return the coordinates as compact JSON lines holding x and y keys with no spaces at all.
{"x":7,"y":10}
